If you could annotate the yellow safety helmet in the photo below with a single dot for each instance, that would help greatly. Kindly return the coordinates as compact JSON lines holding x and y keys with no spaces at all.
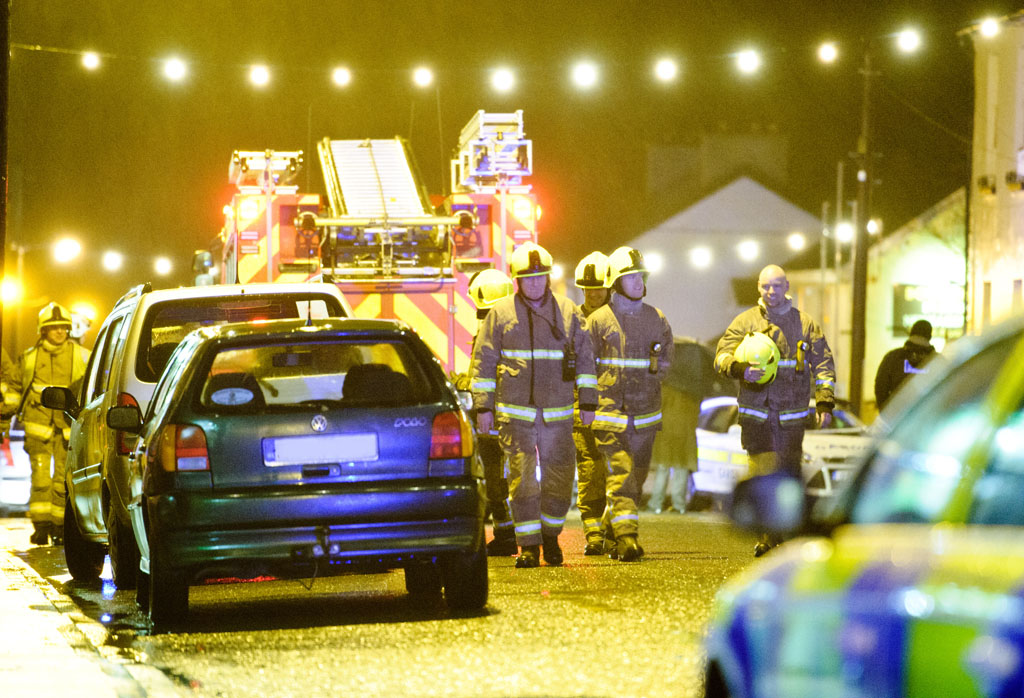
{"x":530,"y":259}
{"x":489,"y":286}
{"x":625,"y":260}
{"x":758,"y":350}
{"x":54,"y":315}
{"x":592,"y":271}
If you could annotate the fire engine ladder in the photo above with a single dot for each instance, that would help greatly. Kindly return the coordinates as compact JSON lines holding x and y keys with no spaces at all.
{"x":372,"y":186}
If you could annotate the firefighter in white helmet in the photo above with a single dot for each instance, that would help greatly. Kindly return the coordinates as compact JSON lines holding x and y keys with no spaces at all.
{"x":633,"y":350}
{"x":532,"y":352}
{"x":773,"y":411}
{"x":592,"y":277}
{"x":51,"y":361}
{"x":486,"y":288}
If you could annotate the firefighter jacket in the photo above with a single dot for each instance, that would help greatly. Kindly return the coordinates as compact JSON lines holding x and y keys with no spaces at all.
{"x":8,"y":379}
{"x":586,"y":312}
{"x":633,"y":353}
{"x":527,"y":363}
{"x":42,"y":366}
{"x":805,"y":362}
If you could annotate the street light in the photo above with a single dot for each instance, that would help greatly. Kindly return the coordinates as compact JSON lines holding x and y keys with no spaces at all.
{"x":585,"y":75}
{"x":503,"y":80}
{"x":259,"y":75}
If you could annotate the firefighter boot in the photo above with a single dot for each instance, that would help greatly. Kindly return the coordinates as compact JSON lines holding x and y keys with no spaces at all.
{"x":530,"y":557}
{"x":628,"y":549}
{"x":502,"y":545}
{"x":41,"y":534}
{"x":552,"y":551}
{"x":595,"y":544}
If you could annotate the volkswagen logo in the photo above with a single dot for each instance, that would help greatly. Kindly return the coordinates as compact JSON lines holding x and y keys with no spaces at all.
{"x":319,"y":423}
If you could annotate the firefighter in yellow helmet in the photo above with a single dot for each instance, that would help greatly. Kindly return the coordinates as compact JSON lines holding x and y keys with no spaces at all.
{"x":774,"y":412}
{"x":633,"y":351}
{"x":486,"y":288}
{"x":52,"y":360}
{"x":592,"y":278}
{"x":532,"y":352}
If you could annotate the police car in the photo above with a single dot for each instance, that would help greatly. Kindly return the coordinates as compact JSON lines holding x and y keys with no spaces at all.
{"x":911,"y":581}
{"x":830,"y":454}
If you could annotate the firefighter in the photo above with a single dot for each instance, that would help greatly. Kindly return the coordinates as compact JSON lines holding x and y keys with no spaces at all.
{"x":901,"y":363}
{"x":592,"y":277}
{"x":774,"y":397}
{"x":531,"y":353}
{"x":52,"y":361}
{"x":8,"y":378}
{"x":633,"y":351}
{"x":486,"y":288}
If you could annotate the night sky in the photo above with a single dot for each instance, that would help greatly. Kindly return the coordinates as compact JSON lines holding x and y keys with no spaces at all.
{"x":123,"y":158}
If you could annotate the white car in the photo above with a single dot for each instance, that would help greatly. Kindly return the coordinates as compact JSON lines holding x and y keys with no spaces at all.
{"x":830,"y":454}
{"x":15,"y":472}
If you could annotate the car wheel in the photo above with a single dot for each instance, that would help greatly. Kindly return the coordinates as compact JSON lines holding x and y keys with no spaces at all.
{"x":124,"y":554}
{"x":465,"y":579}
{"x":84,"y":557}
{"x":168,"y":592}
{"x":423,"y":578}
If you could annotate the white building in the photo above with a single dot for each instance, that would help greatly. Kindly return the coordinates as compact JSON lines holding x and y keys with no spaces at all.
{"x":996,"y":240}
{"x":701,"y":253}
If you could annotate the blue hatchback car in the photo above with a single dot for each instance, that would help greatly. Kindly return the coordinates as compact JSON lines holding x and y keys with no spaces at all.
{"x":301,"y":449}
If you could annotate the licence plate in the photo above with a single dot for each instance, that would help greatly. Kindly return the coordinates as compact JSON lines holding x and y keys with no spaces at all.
{"x":319,"y":448}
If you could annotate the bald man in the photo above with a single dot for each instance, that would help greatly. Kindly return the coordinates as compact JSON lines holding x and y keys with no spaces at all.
{"x":773,"y":416}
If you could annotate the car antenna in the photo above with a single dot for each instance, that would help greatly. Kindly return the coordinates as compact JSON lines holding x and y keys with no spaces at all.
{"x":309,"y":312}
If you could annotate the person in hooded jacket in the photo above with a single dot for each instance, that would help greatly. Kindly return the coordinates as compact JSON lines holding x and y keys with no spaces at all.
{"x":901,"y":363}
{"x":633,"y":349}
{"x":531,"y":356}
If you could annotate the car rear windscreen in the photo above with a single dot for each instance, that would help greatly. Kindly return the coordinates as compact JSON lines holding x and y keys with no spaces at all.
{"x":358,"y":373}
{"x":169,"y":321}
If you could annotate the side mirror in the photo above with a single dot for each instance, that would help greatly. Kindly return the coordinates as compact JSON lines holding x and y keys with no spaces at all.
{"x":769,"y":504}
{"x":61,"y":399}
{"x":125,"y":418}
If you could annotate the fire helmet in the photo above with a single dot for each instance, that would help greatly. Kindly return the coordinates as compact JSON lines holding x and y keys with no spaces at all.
{"x":758,"y":350}
{"x":489,"y":286}
{"x":625,"y":260}
{"x":592,"y":271}
{"x":54,"y":315}
{"x":530,"y":259}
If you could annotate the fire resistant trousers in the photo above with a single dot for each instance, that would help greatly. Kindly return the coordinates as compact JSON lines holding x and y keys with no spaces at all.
{"x":496,"y":486}
{"x":538,"y":508}
{"x":46,"y":499}
{"x":628,"y":454}
{"x":591,"y":473}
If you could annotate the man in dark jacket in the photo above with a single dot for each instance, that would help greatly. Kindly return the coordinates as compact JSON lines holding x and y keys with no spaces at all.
{"x":902,"y":362}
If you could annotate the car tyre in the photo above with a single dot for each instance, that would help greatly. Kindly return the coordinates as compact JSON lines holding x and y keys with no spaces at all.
{"x":124,"y":554}
{"x":84,"y":557}
{"x":168,"y":593}
{"x":465,"y":579}
{"x":423,"y":578}
{"x":142,"y":591}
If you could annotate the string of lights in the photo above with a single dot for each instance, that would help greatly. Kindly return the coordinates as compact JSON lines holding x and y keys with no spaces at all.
{"x":585,"y":74}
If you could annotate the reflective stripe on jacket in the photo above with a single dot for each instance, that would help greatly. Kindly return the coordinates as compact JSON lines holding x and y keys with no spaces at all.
{"x":624,"y":344}
{"x":518,"y":360}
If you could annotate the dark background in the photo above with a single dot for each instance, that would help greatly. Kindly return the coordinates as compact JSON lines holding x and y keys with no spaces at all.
{"x":123,"y":158}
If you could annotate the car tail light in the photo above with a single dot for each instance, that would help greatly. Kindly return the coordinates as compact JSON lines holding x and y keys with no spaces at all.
{"x":451,"y":436}
{"x":182,"y":447}
{"x":124,"y":441}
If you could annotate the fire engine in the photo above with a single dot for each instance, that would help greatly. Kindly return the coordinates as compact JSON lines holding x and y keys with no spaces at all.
{"x":378,"y":235}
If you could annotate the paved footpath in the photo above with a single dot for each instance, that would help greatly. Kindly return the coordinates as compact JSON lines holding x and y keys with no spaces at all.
{"x":48,"y":647}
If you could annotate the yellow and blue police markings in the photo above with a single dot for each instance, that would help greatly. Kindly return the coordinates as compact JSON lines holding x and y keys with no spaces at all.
{"x":881,"y":610}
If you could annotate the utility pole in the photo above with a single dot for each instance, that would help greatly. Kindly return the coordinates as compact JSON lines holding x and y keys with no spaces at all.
{"x":860,"y":245}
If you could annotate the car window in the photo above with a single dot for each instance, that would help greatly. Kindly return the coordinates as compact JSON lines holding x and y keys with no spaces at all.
{"x":168,"y":322}
{"x":915,"y":470}
{"x":87,"y":391}
{"x":165,"y":387}
{"x":718,"y":418}
{"x":98,"y":379}
{"x":367,"y":372}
